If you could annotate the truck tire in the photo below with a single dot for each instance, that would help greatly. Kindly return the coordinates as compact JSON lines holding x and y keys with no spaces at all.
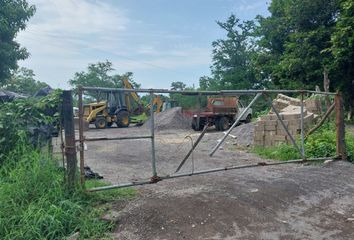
{"x":123,"y":119}
{"x":195,"y":126}
{"x":248,"y":118}
{"x":216,"y":123}
{"x":223,"y":124}
{"x":100,"y":122}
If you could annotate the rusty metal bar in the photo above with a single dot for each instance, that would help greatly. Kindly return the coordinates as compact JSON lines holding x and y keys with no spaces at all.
{"x":115,"y":138}
{"x":81,"y":136}
{"x":234,"y":124}
{"x":340,"y":127}
{"x":70,"y":148}
{"x":193,"y":147}
{"x":260,"y":164}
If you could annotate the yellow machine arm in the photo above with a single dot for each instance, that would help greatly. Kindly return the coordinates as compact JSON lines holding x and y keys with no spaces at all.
{"x":156,"y":102}
{"x":128,"y":85}
{"x":98,"y":107}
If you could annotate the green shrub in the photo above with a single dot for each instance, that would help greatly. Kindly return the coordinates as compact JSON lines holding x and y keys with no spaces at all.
{"x":19,"y":117}
{"x":35,"y":205}
{"x":322,"y":143}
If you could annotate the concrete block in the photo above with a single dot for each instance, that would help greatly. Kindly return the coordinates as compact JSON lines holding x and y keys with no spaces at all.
{"x":270,"y":123}
{"x":292,"y":101}
{"x":279,"y":138}
{"x":270,"y":127}
{"x":258,"y":143}
{"x":259,"y":136}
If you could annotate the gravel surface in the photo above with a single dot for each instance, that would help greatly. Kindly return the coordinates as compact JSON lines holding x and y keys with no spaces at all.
{"x":292,"y":201}
{"x":243,"y":134}
{"x":170,"y":119}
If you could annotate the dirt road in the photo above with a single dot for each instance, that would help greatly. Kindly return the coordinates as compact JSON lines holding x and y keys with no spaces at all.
{"x":290,"y":201}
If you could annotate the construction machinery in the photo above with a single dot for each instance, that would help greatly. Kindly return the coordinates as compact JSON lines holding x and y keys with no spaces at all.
{"x":105,"y":113}
{"x":119,"y":108}
{"x":221,"y":112}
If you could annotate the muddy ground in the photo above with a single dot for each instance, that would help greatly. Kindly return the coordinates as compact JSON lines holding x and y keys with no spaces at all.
{"x":292,"y":201}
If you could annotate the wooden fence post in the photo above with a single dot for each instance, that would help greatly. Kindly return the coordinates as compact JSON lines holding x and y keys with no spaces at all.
{"x":340,"y":127}
{"x":70,"y":147}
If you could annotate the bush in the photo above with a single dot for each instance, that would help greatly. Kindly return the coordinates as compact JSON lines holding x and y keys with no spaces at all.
{"x":322,"y":143}
{"x":25,"y":119}
{"x":35,"y":205}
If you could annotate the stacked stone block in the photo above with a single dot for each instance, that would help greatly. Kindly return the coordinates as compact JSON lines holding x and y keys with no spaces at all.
{"x":268,"y":129}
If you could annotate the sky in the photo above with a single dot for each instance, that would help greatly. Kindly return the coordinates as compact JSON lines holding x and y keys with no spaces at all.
{"x":160,"y":41}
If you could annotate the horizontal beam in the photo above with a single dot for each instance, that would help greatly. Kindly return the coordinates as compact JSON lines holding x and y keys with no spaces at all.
{"x":116,"y":138}
{"x":152,"y":181}
{"x":193,"y":93}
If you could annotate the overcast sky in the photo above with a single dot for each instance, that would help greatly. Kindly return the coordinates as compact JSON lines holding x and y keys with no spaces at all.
{"x":160,"y":41}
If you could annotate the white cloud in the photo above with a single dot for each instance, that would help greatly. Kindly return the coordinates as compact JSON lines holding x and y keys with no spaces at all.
{"x":66,"y":27}
{"x":77,"y":17}
{"x":64,"y":36}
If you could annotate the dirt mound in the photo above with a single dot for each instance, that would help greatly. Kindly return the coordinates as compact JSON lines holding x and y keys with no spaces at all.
{"x":170,"y":119}
{"x":244,"y":134}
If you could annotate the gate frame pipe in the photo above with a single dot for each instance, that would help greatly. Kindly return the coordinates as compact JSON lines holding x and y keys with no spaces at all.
{"x":226,"y":168}
{"x":152,"y":133}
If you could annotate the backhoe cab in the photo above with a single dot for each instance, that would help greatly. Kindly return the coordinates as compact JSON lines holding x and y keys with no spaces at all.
{"x":113,"y":110}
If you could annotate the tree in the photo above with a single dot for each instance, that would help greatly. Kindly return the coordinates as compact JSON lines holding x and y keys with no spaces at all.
{"x":98,"y":75}
{"x":183,"y":100}
{"x":23,"y":81}
{"x":343,"y":52}
{"x":13,"y":17}
{"x":178,"y":86}
{"x":209,"y":83}
{"x":232,"y":64}
{"x":293,"y":42}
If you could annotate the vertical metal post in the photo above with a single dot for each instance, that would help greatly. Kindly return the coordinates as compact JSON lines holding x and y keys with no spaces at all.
{"x":199,"y":110}
{"x":152,"y":131}
{"x":302,"y":127}
{"x":340,"y":127}
{"x":70,"y":148}
{"x":234,"y":124}
{"x":81,"y":136}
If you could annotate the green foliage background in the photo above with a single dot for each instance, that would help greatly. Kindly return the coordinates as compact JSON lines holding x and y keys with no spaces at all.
{"x":322,"y":143}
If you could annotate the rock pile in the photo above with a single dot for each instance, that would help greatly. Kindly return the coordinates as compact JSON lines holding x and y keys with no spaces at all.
{"x":172,"y":118}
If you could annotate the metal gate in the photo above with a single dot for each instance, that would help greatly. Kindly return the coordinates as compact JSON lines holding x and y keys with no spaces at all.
{"x":155,"y":177}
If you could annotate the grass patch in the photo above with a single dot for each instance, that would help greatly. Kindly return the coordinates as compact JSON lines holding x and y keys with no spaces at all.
{"x":320,"y":144}
{"x":35,"y":205}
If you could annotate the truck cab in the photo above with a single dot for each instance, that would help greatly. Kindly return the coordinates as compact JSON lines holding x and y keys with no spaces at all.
{"x":220,"y":112}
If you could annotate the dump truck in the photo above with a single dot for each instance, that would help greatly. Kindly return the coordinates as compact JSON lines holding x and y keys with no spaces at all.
{"x":221,"y":112}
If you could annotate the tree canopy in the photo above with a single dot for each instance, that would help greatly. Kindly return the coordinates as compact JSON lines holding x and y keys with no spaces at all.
{"x":291,"y":48}
{"x":99,"y":75}
{"x":13,"y":17}
{"x":23,"y":81}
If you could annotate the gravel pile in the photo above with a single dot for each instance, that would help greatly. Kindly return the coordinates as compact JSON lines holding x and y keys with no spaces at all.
{"x":244,"y":134}
{"x":170,"y":119}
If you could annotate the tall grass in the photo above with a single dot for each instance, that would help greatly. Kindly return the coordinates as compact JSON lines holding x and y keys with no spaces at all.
{"x":322,"y":143}
{"x":35,"y":205}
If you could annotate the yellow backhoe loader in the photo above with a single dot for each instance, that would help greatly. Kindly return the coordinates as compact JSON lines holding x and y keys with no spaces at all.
{"x":119,"y":108}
